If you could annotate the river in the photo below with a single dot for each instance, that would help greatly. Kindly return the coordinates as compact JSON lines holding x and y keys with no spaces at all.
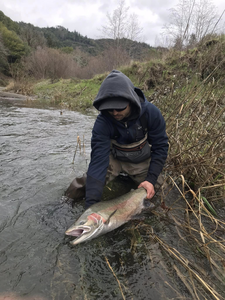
{"x":36,"y":258}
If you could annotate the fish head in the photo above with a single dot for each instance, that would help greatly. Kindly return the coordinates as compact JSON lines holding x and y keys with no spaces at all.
{"x":87,"y":227}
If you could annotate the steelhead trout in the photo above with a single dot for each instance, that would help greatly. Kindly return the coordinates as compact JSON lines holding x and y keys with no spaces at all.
{"x":108,"y":215}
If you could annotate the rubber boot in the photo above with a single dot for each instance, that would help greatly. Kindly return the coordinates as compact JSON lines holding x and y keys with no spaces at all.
{"x":76,"y":190}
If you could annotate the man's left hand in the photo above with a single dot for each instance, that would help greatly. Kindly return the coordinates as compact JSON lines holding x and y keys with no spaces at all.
{"x":149,"y":188}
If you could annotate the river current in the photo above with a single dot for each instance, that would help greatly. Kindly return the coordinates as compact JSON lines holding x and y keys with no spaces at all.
{"x":36,"y":258}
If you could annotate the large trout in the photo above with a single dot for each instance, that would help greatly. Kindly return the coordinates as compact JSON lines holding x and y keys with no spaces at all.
{"x":105,"y":216}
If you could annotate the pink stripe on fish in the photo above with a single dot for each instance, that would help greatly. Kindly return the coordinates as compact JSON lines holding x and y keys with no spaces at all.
{"x":95,"y":217}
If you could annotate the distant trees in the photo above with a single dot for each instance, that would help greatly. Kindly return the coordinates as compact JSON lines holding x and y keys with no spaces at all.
{"x":12,"y":43}
{"x":55,"y":52}
{"x":11,"y":46}
{"x":3,"y":55}
{"x":7,"y":22}
{"x":59,"y":36}
{"x":32,"y":36}
{"x":190,"y":21}
{"x":55,"y":63}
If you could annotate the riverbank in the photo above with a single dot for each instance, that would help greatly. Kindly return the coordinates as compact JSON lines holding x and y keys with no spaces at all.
{"x":71,"y":94}
{"x":11,"y":96}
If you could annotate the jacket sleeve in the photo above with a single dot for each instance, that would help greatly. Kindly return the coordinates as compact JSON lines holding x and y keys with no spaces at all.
{"x":100,"y":150}
{"x":158,"y":139}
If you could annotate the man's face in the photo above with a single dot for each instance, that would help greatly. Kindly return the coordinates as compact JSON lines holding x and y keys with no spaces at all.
{"x":120,"y":115}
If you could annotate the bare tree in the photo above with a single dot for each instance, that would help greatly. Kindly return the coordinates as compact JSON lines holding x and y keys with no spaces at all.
{"x":116,"y":27}
{"x":191,"y":18}
{"x":121,"y":27}
{"x":121,"y":24}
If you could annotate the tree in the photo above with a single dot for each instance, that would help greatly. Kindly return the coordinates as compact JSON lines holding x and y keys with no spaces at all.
{"x":32,"y":35}
{"x":3,"y":55}
{"x":7,"y":22}
{"x":121,"y":27}
{"x":121,"y":24}
{"x":190,"y":21}
{"x":13,"y":44}
{"x":134,"y":29}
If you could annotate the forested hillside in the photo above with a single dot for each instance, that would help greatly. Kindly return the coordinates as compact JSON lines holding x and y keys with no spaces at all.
{"x":21,"y":44}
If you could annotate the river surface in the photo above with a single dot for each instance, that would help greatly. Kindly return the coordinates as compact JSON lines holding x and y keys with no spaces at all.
{"x":36,"y":258}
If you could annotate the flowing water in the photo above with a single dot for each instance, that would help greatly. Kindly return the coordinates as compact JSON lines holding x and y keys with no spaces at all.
{"x":36,"y":258}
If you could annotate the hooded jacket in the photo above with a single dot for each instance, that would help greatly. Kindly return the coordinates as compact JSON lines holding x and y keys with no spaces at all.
{"x":117,"y":84}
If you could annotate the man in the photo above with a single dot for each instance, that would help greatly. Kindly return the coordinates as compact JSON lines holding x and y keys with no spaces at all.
{"x":128,"y":136}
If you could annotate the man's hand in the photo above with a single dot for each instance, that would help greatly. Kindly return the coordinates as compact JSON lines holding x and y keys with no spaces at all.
{"x":149,"y":188}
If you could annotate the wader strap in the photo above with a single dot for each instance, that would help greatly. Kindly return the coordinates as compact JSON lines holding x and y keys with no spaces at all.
{"x":133,"y":153}
{"x":130,"y":147}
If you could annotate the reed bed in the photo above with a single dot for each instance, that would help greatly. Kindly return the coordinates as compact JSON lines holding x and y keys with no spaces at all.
{"x":197,"y":225}
{"x":195,"y":118}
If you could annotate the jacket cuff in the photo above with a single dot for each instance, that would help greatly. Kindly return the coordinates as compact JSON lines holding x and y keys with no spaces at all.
{"x":152,"y":179}
{"x":94,"y":190}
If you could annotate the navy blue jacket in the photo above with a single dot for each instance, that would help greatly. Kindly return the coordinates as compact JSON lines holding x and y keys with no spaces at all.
{"x":117,"y":84}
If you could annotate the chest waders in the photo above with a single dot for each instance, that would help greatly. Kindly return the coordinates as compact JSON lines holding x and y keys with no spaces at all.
{"x":135,"y":152}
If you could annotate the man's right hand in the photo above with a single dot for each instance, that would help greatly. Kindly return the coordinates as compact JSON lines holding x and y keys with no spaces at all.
{"x":149,"y":188}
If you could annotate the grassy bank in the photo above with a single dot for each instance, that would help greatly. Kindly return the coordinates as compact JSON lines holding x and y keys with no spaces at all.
{"x":69,"y":93}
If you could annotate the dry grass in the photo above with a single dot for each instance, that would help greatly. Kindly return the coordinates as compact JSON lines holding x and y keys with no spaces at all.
{"x":24,"y":87}
{"x":195,"y":118}
{"x":206,"y":232}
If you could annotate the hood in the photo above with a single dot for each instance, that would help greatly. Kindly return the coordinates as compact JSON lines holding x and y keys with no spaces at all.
{"x":116,"y":84}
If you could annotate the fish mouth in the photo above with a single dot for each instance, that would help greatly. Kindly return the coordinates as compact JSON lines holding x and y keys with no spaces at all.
{"x":78,"y":232}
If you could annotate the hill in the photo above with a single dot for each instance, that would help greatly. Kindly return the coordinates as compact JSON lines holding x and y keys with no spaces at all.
{"x":60,"y":37}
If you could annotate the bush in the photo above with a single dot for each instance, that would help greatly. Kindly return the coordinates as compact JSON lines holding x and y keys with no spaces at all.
{"x":50,"y":63}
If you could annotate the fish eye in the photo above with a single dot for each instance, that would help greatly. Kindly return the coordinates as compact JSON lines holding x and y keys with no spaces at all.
{"x":81,"y":223}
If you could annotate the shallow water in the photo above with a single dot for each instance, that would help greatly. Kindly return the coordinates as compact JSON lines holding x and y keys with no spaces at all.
{"x":36,"y":258}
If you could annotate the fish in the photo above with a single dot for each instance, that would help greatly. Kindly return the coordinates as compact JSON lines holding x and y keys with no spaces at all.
{"x":105,"y":216}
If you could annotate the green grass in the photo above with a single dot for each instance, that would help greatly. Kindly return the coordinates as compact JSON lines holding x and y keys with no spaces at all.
{"x":69,"y":93}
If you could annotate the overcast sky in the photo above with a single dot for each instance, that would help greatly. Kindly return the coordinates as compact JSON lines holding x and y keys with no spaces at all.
{"x":88,"y":16}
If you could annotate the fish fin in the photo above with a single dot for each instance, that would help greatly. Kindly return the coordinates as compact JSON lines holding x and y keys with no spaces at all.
{"x":139,"y":217}
{"x":107,"y":221}
{"x":148,"y":203}
{"x":151,"y":204}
